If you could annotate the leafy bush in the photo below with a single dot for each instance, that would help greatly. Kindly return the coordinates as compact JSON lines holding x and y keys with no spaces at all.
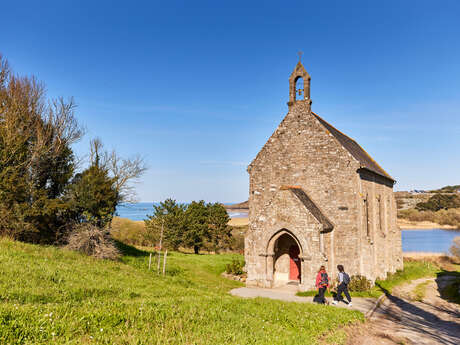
{"x":359,"y":283}
{"x":93,"y":241}
{"x":236,"y":267}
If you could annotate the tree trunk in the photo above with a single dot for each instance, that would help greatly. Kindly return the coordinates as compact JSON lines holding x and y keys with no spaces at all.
{"x":196,"y":249}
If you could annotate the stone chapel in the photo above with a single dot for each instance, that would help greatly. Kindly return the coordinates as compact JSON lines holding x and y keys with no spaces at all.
{"x":317,"y":198}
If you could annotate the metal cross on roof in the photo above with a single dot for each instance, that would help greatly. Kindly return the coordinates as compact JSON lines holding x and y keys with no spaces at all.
{"x":300,"y":55}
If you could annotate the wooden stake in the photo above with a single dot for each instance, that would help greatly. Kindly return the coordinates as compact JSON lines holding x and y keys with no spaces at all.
{"x":161,"y":243}
{"x":164,"y":262}
{"x":150,"y":260}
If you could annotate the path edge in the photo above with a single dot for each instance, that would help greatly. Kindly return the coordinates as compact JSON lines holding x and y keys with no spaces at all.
{"x":377,"y":304}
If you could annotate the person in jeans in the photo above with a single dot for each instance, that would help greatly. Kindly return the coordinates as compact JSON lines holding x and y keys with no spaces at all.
{"x":322,"y":283}
{"x":344,"y":280}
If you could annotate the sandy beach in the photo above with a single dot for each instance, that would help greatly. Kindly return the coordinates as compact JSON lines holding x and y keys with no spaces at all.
{"x":238,"y":221}
{"x":405,"y":224}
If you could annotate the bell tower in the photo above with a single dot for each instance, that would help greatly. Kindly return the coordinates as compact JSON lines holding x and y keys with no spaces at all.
{"x":299,"y":85}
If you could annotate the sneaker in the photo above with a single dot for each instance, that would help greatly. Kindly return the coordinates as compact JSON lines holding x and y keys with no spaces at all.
{"x":350,"y":304}
{"x":334,"y":302}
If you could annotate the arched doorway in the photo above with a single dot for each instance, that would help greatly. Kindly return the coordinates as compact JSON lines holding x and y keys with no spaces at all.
{"x":286,"y":264}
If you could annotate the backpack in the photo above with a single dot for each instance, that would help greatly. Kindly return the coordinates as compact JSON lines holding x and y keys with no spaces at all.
{"x":324,"y":279}
{"x":346,"y":278}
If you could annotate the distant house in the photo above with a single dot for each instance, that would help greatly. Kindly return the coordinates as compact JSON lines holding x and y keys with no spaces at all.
{"x":317,"y":198}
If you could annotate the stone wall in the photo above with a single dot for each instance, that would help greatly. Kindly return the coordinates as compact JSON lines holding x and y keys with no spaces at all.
{"x":302,"y":152}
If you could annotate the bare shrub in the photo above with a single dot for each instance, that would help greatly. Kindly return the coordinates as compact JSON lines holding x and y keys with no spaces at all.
{"x":455,"y":249}
{"x":93,"y":241}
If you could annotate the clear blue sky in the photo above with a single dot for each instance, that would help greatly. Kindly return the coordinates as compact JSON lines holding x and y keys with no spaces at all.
{"x":197,"y":87}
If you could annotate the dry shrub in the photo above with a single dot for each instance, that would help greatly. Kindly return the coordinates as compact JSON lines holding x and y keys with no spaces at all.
{"x":455,"y":249}
{"x":443,"y":261}
{"x":443,"y":217}
{"x":93,"y":241}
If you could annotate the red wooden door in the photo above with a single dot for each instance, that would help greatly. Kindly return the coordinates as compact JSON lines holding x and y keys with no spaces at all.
{"x":294,"y":263}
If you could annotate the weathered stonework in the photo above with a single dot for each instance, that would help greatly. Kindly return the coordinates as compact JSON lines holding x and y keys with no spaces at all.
{"x":315,"y":189}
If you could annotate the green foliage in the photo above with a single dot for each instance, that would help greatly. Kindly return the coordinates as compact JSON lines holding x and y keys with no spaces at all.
{"x":36,"y":161}
{"x":169,"y":217}
{"x":70,"y":298}
{"x":92,"y":196}
{"x":438,"y":202}
{"x":235,"y":267}
{"x":38,"y":201}
{"x":219,"y":232}
{"x":197,"y":228}
{"x":359,"y":283}
{"x":197,"y":225}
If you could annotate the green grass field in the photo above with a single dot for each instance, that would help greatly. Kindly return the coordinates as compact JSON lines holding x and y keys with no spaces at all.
{"x":53,"y":296}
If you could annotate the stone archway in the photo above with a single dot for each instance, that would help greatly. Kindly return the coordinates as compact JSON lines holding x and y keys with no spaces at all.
{"x":286,"y":264}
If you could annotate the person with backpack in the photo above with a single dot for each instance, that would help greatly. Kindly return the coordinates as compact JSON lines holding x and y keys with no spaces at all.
{"x":322,"y":283}
{"x":344,"y":280}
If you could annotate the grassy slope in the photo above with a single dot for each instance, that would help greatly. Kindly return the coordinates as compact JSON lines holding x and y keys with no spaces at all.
{"x":49,"y":295}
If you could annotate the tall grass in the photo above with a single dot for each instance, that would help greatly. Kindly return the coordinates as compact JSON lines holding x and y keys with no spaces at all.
{"x":129,"y":231}
{"x":55,"y":296}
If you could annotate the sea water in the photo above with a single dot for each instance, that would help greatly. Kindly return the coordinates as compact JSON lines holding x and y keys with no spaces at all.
{"x":141,"y":210}
{"x":433,"y":240}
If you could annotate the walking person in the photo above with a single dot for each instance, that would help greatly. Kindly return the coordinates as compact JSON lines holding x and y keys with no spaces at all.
{"x":322,"y":283}
{"x":344,"y":280}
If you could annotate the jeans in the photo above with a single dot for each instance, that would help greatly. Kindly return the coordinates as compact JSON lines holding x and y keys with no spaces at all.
{"x":343,"y":288}
{"x":321,"y":292}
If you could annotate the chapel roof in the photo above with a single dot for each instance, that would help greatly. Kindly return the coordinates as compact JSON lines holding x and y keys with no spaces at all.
{"x":311,"y":206}
{"x":355,"y":149}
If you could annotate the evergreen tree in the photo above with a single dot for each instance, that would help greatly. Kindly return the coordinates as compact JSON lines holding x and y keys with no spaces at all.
{"x":36,"y":160}
{"x":169,"y":216}
{"x":93,"y":197}
{"x":197,"y":228}
{"x":219,"y":233}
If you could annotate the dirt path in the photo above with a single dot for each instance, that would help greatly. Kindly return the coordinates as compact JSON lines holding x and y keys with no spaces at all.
{"x":402,"y":320}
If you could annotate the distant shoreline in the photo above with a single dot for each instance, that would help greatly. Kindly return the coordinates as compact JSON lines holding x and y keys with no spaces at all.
{"x":402,"y":223}
{"x":405,"y":224}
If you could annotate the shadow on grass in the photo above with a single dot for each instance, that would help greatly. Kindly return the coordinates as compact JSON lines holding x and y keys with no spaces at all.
{"x":128,"y":250}
{"x":418,"y":320}
{"x":448,"y":283}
